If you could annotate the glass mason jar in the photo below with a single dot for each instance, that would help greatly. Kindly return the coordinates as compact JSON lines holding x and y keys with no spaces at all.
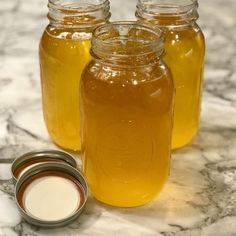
{"x":64,"y":52}
{"x":185,"y":51}
{"x":126,"y":115}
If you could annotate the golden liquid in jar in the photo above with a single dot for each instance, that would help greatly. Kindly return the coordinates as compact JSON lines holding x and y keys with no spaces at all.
{"x":126,"y":134}
{"x":63,"y":56}
{"x":185,"y":49}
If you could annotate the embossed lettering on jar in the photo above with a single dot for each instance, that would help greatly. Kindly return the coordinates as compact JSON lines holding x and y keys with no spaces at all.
{"x":64,"y":52}
{"x":126,"y":109}
{"x":185,"y":51}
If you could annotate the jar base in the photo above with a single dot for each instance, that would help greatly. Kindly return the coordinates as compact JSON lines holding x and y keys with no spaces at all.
{"x":180,"y":142}
{"x":124,"y":205}
{"x":66,"y":147}
{"x":124,"y":202}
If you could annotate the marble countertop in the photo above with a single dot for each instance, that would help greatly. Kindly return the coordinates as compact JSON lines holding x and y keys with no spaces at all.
{"x":200,"y":197}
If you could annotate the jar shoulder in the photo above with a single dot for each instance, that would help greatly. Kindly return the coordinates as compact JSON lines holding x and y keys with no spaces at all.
{"x":70,"y":34}
{"x":199,"y":33}
{"x":115,"y":74}
{"x":64,"y":48}
{"x":102,"y":83}
{"x":180,"y":34}
{"x":182,"y":41}
{"x":137,"y":88}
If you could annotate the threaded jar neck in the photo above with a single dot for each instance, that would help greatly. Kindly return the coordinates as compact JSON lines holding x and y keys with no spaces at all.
{"x":167,"y":12}
{"x":82,"y":14}
{"x":127,"y":44}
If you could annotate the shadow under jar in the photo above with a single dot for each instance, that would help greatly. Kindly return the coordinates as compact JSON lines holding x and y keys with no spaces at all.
{"x":64,"y":52}
{"x":126,"y":113}
{"x":185,"y":51}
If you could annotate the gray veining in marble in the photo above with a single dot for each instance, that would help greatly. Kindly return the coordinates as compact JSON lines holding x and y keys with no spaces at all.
{"x":200,"y":197}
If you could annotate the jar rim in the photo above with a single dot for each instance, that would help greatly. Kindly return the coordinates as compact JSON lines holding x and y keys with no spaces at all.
{"x":181,"y":11}
{"x":79,"y":14}
{"x":168,"y":6}
{"x":78,"y":5}
{"x":122,"y":41}
{"x":99,"y":30}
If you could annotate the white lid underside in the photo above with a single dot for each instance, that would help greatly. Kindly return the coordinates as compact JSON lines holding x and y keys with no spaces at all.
{"x":51,"y":198}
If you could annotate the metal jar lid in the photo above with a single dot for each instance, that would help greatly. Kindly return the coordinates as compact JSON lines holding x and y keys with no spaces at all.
{"x":46,"y":171}
{"x":30,"y":159}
